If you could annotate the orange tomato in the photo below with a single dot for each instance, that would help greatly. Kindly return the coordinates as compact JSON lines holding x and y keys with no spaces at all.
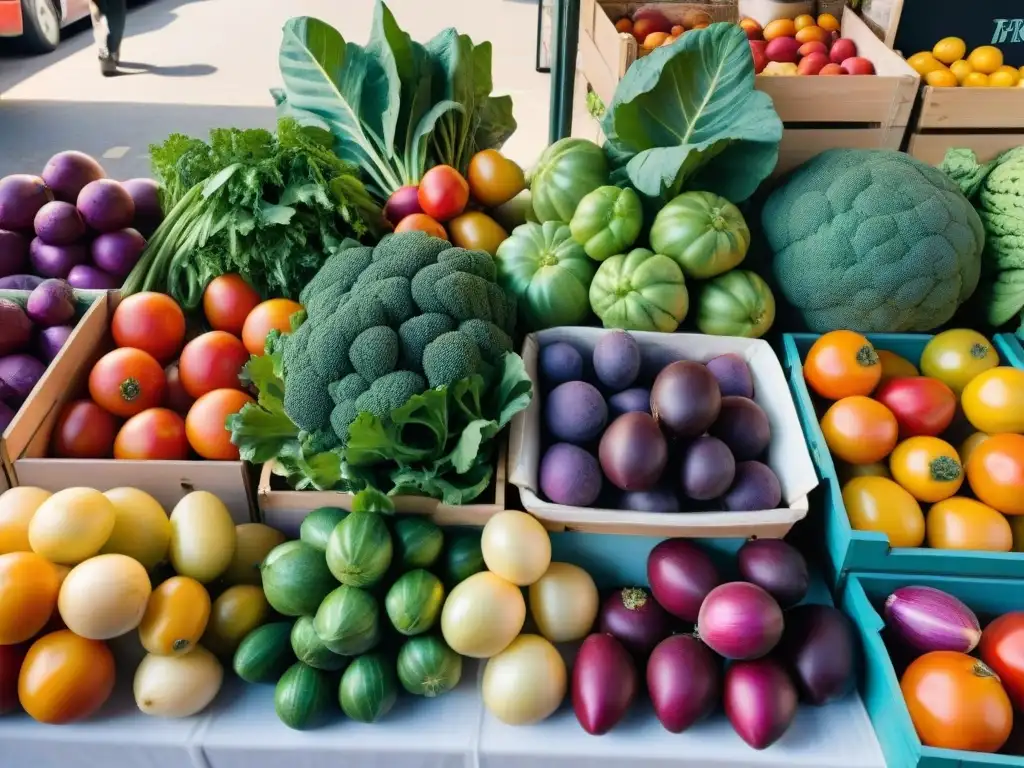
{"x":176,"y":617}
{"x":152,"y":322}
{"x":927,"y":467}
{"x":227,"y":301}
{"x":211,"y":361}
{"x":960,"y":523}
{"x":967,"y":446}
{"x":83,"y":431}
{"x":996,"y":473}
{"x":993,"y":401}
{"x":957,"y":702}
{"x":29,"y":586}
{"x":420,"y":222}
{"x":154,"y":434}
{"x":859,"y":430}
{"x":894,"y":366}
{"x":205,"y":424}
{"x":65,"y":677}
{"x":841,"y":364}
{"x":879,"y":504}
{"x":127,"y":381}
{"x":275,"y":314}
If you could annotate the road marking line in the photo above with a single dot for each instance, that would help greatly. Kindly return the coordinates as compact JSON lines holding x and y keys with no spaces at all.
{"x":116,"y":153}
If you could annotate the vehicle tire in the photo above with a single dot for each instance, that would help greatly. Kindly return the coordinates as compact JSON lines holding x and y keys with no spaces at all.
{"x":42,"y":25}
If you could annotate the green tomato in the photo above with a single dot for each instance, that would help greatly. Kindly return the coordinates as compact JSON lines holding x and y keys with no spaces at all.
{"x":607,"y":221}
{"x":704,"y":233}
{"x":738,"y":303}
{"x":565,"y":172}
{"x":548,"y":272}
{"x":640,"y":291}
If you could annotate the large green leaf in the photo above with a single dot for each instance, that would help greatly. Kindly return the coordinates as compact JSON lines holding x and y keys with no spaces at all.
{"x":687,"y":117}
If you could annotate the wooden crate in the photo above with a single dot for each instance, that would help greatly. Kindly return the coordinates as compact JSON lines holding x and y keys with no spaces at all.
{"x":819,"y":113}
{"x":986,"y":120}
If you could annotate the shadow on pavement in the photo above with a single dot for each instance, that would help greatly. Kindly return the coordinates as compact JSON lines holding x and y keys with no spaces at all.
{"x":179,"y":70}
{"x":33,"y":131}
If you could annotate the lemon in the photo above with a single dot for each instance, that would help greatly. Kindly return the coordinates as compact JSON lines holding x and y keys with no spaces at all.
{"x":1006,"y":69}
{"x":986,"y":59}
{"x":17,"y":506}
{"x":961,"y":69}
{"x":72,"y":525}
{"x":976,"y":80}
{"x":924,"y":62}
{"x":1001,"y":79}
{"x":941,"y":78}
{"x":949,"y":49}
{"x":203,"y":537}
{"x":141,"y":528}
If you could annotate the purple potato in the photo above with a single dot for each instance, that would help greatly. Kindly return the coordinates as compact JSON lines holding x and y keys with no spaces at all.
{"x":559,"y":363}
{"x":56,"y":260}
{"x":6,"y":416}
{"x":629,"y":400}
{"x":20,"y":373}
{"x":51,"y":303}
{"x":742,"y":425}
{"x":20,"y":282}
{"x":118,"y":252}
{"x":106,"y":206}
{"x":633,"y":452}
{"x":570,"y":475}
{"x":15,"y":327}
{"x":21,"y":197}
{"x":707,"y":470}
{"x":733,"y":375}
{"x":87,"y":278}
{"x":659,"y":499}
{"x":575,"y":412}
{"x":51,"y":340}
{"x":59,"y":223}
{"x":13,"y":253}
{"x":685,"y":399}
{"x":66,"y":173}
{"x":756,"y":487}
{"x":617,"y":360}
{"x":146,"y":196}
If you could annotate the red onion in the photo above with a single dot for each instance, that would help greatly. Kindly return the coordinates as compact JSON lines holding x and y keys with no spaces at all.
{"x":776,"y":567}
{"x":681,"y":574}
{"x":819,"y":647}
{"x":604,"y":683}
{"x":928,"y":619}
{"x":760,"y":701}
{"x":740,"y":621}
{"x":635,"y":619}
{"x":683,"y":682}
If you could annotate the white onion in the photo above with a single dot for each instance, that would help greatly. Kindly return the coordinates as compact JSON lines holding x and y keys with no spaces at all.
{"x":564,"y":603}
{"x":526,"y":682}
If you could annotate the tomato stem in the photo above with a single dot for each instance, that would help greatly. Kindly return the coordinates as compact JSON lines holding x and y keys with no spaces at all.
{"x":979,"y":351}
{"x":945,"y":469}
{"x":981,"y":669}
{"x":634,"y":598}
{"x":130,"y":389}
{"x":866,"y":356}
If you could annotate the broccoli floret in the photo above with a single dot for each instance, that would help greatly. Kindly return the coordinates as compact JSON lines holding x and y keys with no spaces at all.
{"x":374,"y":352}
{"x":364,"y":310}
{"x":414,"y":335}
{"x":423,"y":287}
{"x":341,"y":269}
{"x":389,"y":392}
{"x":492,"y":342}
{"x":321,"y":441}
{"x":477,"y":263}
{"x":305,"y":398}
{"x":330,"y":359}
{"x":406,"y":256}
{"x":348,"y":388}
{"x":450,"y":357}
{"x":395,"y":293}
{"x":464,"y":296}
{"x":343,"y":415}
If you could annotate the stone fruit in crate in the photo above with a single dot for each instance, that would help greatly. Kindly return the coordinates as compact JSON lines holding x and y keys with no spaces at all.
{"x":633,"y":452}
{"x":760,"y":57}
{"x":780,"y":69}
{"x":617,"y":360}
{"x":733,"y":375}
{"x":685,"y":399}
{"x":570,"y":475}
{"x":743,"y":426}
{"x":806,"y":49}
{"x":858,"y":65}
{"x":842,"y":49}
{"x":779,"y":28}
{"x":708,"y":468}
{"x":782,"y":49}
{"x":756,"y":487}
{"x":812,"y":34}
{"x":655,"y":39}
{"x":831,"y":69}
{"x":649,"y":23}
{"x":628,"y":401}
{"x":575,"y":412}
{"x":560,"y":362}
{"x":752,"y":28}
{"x":812,"y":64}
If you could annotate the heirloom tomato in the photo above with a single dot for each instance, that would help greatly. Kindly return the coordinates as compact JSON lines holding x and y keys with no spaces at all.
{"x":993,"y":401}
{"x":1002,"y":648}
{"x":84,"y":431}
{"x":270,"y":315}
{"x":859,"y":430}
{"x":841,"y":364}
{"x":494,"y":179}
{"x":927,"y":467}
{"x":957,"y":356}
{"x":894,"y":366}
{"x":206,"y":426}
{"x":959,"y":523}
{"x":967,"y":447}
{"x":65,"y":677}
{"x":922,"y":406}
{"x":879,"y":504}
{"x":443,"y":193}
{"x":847,"y":472}
{"x":996,"y":473}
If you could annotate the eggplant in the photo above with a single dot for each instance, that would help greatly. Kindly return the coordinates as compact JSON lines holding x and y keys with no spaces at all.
{"x":820,"y":650}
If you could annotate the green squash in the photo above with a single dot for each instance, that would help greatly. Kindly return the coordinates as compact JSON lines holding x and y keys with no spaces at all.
{"x":308,"y":648}
{"x":738,"y":303}
{"x":296,"y":578}
{"x":428,"y":667}
{"x":607,"y":221}
{"x":418,"y":541}
{"x":369,"y":688}
{"x":566,"y":171}
{"x":640,"y":291}
{"x":704,"y":233}
{"x":317,"y":526}
{"x":549,"y":274}
{"x":304,"y":697}
{"x":414,"y":602}
{"x":348,"y":621}
{"x":359,"y":549}
{"x":265,"y":653}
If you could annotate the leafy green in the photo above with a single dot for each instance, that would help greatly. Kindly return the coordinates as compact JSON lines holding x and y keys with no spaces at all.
{"x":687,"y":117}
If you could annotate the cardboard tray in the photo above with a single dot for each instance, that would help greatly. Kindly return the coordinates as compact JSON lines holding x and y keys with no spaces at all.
{"x":848,"y":550}
{"x":787,"y":454}
{"x":167,"y":481}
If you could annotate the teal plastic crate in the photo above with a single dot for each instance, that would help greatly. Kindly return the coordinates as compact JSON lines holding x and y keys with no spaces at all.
{"x":861,"y":599}
{"x":848,"y":550}
{"x":1010,"y":349}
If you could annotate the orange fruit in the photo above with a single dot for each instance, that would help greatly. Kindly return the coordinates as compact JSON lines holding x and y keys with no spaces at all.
{"x":65,"y":677}
{"x":828,"y":22}
{"x":941,"y":78}
{"x":29,"y":585}
{"x":986,"y":59}
{"x":782,"y":28}
{"x":803,"y":20}
{"x":266,"y":317}
{"x":961,"y":69}
{"x":976,"y":80}
{"x":949,"y":49}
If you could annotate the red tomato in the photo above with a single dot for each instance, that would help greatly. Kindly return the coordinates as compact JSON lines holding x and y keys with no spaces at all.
{"x":178,"y":400}
{"x":156,"y":434}
{"x":922,"y":406}
{"x":227,"y":301}
{"x":1002,"y":648}
{"x":83,"y":431}
{"x":206,"y":426}
{"x":273,"y":314}
{"x":11,"y":658}
{"x":420,"y":222}
{"x":152,"y":322}
{"x":443,"y":193}
{"x":127,"y":381}
{"x":212,"y":361}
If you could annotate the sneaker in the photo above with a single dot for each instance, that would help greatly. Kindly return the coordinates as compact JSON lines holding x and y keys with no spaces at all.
{"x":108,"y":64}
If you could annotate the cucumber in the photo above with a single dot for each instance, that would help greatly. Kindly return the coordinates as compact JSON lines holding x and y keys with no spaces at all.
{"x":296,"y":578}
{"x":303,"y":697}
{"x":311,"y":650}
{"x":369,"y":688}
{"x":317,"y":526}
{"x":418,"y":542}
{"x":265,"y":653}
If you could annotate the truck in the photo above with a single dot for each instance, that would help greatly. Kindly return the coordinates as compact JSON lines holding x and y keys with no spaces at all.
{"x":36,"y":24}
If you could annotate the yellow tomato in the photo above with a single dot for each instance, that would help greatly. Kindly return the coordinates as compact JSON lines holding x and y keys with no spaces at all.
{"x":17,"y":506}
{"x":961,"y":69}
{"x":960,"y":523}
{"x":968,"y":446}
{"x":986,"y":59}
{"x":879,"y":504}
{"x":975,"y":80}
{"x":1002,"y":80}
{"x":828,"y":22}
{"x":994,"y":401}
{"x":233,"y":615}
{"x":894,"y":366}
{"x":955,"y":357}
{"x":927,"y":467}
{"x":949,"y":49}
{"x":941,"y":78}
{"x":176,"y":617}
{"x":924,"y":62}
{"x":1011,"y":71}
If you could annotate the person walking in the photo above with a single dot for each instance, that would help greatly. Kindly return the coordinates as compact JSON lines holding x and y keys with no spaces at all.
{"x":108,"y":18}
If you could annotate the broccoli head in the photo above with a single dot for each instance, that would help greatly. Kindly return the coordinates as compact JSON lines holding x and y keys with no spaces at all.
{"x":374,"y":352}
{"x":389,"y":392}
{"x":450,"y":357}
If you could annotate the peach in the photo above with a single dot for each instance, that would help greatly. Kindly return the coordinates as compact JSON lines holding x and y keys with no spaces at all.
{"x":814,"y":47}
{"x":655,"y":39}
{"x":858,"y":65}
{"x":831,"y":69}
{"x":812,"y":34}
{"x":760,"y":57}
{"x":648,"y":25}
{"x":625,"y":24}
{"x":783,"y":49}
{"x":779,"y":28}
{"x":752,"y":28}
{"x":812,"y":64}
{"x":677,"y":30}
{"x":842,"y":49}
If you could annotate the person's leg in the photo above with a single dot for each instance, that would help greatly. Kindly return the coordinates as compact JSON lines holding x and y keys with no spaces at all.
{"x":108,"y":20}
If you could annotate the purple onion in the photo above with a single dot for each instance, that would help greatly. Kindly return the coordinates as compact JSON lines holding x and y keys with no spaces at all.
{"x":634,"y":618}
{"x":6,"y":416}
{"x":50,"y":341}
{"x":604,"y":683}
{"x":820,"y":650}
{"x":13,"y":252}
{"x":19,"y":374}
{"x":929,"y":619}
{"x":739,"y":620}
{"x":683,"y":682}
{"x":777,"y":567}
{"x":760,"y":701}
{"x":681,"y":575}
